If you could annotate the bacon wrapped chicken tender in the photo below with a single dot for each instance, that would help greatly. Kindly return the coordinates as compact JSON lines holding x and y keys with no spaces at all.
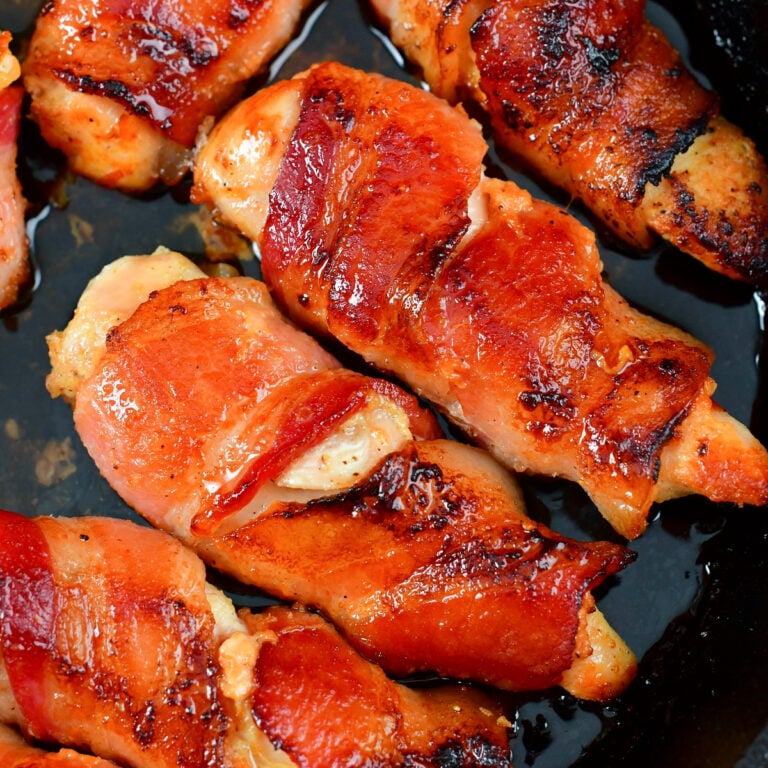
{"x":595,"y":100}
{"x":122,"y":88}
{"x":112,"y":642}
{"x":377,"y":227}
{"x":220,"y":422}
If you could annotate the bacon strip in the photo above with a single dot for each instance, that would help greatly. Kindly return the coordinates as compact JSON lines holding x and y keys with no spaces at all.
{"x":204,"y":395}
{"x":430,"y":568}
{"x":104,"y":650}
{"x":28,"y":618}
{"x":594,"y":99}
{"x":374,"y":723}
{"x":487,"y":302}
{"x":576,"y":82}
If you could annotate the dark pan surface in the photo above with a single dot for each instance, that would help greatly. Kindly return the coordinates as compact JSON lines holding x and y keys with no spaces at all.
{"x":694,"y":606}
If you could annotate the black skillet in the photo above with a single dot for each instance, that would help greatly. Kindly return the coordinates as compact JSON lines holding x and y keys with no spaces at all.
{"x":694,"y":604}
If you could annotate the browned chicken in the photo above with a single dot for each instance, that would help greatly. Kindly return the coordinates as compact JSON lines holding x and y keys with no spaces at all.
{"x":122,"y":87}
{"x":594,"y":99}
{"x":14,"y":266}
{"x":377,"y":227}
{"x":102,"y":650}
{"x":220,"y":422}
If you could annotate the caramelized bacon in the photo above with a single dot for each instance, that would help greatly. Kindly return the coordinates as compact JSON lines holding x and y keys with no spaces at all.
{"x":574,"y":86}
{"x":409,"y":556}
{"x":464,"y":585}
{"x":151,"y":667}
{"x":122,"y":88}
{"x":487,"y":302}
{"x":325,"y":705}
{"x":595,"y":99}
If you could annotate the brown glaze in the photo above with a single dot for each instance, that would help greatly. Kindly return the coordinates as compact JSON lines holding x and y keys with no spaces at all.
{"x":347,"y":173}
